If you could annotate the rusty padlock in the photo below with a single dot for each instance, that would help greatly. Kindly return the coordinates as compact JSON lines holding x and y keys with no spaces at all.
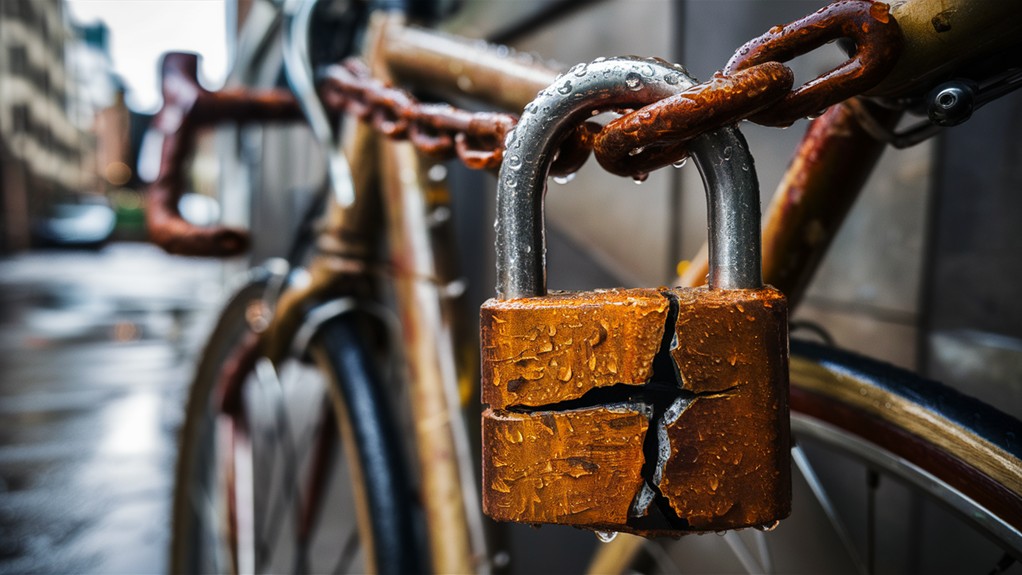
{"x":650,"y":411}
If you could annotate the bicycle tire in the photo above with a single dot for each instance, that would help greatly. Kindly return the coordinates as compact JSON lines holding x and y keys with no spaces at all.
{"x":384,"y":529}
{"x":961,"y":454}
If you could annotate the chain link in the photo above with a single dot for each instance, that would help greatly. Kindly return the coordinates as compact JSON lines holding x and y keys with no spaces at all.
{"x":755,"y":85}
{"x":876,"y":44}
{"x":439,"y":130}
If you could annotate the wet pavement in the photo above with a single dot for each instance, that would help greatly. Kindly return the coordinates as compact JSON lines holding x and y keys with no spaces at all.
{"x":96,"y":349}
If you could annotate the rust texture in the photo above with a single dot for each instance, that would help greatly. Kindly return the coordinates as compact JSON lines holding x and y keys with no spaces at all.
{"x":944,"y":36}
{"x":490,"y":73}
{"x":654,"y":136}
{"x":422,"y":291}
{"x":580,"y":467}
{"x":443,"y":131}
{"x":820,"y":185}
{"x":540,"y":351}
{"x":702,"y":446}
{"x":729,"y":463}
{"x":187,"y":107}
{"x":877,"y":39}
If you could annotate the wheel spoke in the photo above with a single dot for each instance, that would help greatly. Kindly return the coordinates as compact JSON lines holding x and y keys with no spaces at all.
{"x":348,"y":551}
{"x":1002,"y":565}
{"x":277,"y":474}
{"x":872,"y":483}
{"x":764,"y":551}
{"x":798,"y":456}
{"x":743,"y":553}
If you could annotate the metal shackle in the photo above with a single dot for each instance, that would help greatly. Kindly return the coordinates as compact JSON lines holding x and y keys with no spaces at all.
{"x":722,"y":157}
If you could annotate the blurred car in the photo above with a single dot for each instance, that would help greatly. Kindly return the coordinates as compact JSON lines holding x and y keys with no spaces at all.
{"x":87,"y":222}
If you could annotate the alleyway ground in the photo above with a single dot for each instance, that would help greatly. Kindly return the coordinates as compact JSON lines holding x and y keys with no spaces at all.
{"x":96,"y":349}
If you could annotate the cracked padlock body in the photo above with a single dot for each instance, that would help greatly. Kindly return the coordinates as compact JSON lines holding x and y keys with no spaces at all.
{"x":650,"y":411}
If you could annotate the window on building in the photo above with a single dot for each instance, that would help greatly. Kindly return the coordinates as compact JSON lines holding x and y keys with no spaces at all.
{"x":20,"y":118}
{"x":17,"y":57}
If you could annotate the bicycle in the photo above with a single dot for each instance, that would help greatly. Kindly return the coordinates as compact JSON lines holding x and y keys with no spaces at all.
{"x":839,"y":401}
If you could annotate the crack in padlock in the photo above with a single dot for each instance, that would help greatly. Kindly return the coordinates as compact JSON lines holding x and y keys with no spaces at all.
{"x":652,"y":411}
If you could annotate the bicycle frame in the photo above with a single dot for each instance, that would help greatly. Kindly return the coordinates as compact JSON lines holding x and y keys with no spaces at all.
{"x":395,"y":195}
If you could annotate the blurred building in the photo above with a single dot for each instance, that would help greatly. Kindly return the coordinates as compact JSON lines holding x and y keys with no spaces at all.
{"x":54,"y":78}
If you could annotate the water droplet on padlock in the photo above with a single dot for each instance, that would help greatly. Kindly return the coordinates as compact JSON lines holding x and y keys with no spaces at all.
{"x":636,"y":151}
{"x":727,"y":152}
{"x":721,"y":533}
{"x":769,"y":527}
{"x":639,"y":178}
{"x":565,"y":88}
{"x":606,"y":536}
{"x":580,"y":70}
{"x":514,"y":161}
{"x":681,"y":163}
{"x":671,"y":79}
{"x":564,"y":179}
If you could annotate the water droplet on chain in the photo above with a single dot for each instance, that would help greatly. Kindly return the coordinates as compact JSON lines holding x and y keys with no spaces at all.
{"x":639,"y":178}
{"x":681,"y":163}
{"x":636,"y":151}
{"x":564,"y":179}
{"x":815,"y":115}
{"x":633,"y":81}
{"x":606,"y":536}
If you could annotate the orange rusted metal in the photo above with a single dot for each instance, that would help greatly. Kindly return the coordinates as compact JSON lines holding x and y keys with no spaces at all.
{"x":187,"y":107}
{"x":653,"y":137}
{"x":944,"y":36}
{"x":730,"y":448}
{"x":540,"y":351}
{"x":877,"y":40}
{"x":580,"y":468}
{"x":699,"y":445}
{"x":477,"y":138}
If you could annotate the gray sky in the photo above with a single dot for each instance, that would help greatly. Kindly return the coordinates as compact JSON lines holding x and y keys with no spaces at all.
{"x":141,"y":30}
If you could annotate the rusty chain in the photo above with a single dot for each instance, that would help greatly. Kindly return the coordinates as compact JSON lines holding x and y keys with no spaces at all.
{"x":755,"y":85}
{"x":440,"y":130}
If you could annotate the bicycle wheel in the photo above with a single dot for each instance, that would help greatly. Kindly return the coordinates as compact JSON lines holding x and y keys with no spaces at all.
{"x":894,"y":474}
{"x":309,"y":478}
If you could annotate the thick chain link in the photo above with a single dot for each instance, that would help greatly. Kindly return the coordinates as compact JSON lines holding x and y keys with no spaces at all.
{"x":754,"y":85}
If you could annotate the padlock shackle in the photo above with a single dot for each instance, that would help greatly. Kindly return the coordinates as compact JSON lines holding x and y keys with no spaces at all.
{"x":722,"y":157}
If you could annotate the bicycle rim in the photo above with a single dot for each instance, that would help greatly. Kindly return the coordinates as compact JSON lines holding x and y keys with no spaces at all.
{"x":892,"y":474}
{"x":276,"y":491}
